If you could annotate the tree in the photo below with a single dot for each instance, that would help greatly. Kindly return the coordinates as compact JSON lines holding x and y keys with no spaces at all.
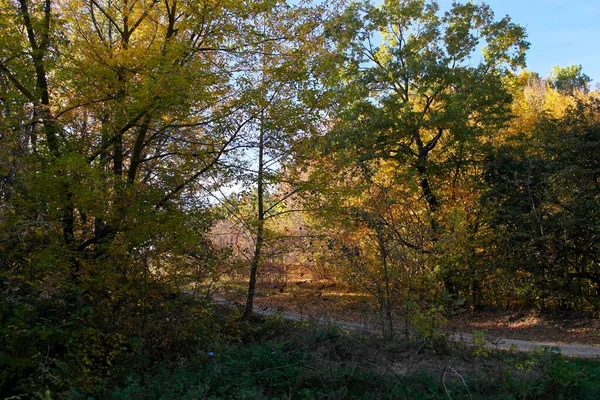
{"x":543,"y":216}
{"x":372,"y":235}
{"x":413,"y":93}
{"x":283,"y":108}
{"x":413,"y":87}
{"x":569,"y":79}
{"x":146,"y":92}
{"x":115,"y":117}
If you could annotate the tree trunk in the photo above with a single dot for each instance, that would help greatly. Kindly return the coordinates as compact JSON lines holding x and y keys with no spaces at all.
{"x":388,"y":331}
{"x":260,"y":225}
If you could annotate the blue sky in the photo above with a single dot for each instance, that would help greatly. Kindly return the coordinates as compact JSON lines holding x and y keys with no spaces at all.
{"x":560,"y":32}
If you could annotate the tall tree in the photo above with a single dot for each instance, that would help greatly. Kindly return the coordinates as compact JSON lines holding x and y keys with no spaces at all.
{"x":281,"y":78}
{"x":115,"y":115}
{"x":414,"y":91}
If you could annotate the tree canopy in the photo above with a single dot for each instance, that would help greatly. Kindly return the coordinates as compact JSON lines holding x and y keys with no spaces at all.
{"x":401,"y":149}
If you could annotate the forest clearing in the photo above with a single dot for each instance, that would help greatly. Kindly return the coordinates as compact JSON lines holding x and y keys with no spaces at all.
{"x":392,"y":166}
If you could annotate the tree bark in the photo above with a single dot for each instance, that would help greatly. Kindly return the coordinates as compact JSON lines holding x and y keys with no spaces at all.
{"x":260,"y":223}
{"x":388,"y":331}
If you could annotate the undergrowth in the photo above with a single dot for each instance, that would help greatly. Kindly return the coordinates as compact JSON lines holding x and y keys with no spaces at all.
{"x":268,"y":358}
{"x":271,"y":359}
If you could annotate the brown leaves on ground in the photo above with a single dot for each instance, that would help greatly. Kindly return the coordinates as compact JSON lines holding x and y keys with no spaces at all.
{"x":318,"y":297}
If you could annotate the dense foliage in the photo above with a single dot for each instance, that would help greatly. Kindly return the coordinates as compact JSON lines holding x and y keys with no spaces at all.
{"x":375,"y":140}
{"x":328,"y":364}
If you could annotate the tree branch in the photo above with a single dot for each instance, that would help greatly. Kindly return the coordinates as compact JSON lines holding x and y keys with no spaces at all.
{"x":20,"y":87}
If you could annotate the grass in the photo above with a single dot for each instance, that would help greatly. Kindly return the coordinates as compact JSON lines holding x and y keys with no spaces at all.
{"x":272,"y":359}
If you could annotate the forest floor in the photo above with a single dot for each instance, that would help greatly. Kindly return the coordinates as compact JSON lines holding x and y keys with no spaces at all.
{"x":302,"y":294}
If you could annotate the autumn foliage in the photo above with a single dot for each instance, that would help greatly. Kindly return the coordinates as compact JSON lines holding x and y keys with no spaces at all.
{"x":373,"y":142}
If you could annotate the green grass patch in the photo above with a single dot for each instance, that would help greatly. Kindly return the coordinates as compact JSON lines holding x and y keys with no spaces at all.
{"x":271,"y":359}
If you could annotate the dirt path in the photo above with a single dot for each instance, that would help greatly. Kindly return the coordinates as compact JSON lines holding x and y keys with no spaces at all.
{"x":571,"y":350}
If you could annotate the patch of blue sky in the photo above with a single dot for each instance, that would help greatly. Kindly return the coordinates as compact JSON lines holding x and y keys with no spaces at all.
{"x":561,"y":32}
